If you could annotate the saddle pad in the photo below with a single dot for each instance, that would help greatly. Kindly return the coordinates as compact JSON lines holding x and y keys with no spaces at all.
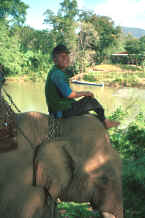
{"x":8,"y":144}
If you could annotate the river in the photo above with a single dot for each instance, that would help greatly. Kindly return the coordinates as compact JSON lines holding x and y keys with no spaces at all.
{"x":29,"y":96}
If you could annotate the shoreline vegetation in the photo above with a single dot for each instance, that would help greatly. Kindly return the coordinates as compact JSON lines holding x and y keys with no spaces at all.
{"x":112,"y":75}
{"x":115,"y":75}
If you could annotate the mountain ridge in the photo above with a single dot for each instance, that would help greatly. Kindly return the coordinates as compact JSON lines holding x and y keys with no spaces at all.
{"x":134,"y":31}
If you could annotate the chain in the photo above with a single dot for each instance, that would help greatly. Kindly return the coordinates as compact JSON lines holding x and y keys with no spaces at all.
{"x":54,"y":127}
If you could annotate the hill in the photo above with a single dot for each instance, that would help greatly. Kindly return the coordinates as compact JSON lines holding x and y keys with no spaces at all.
{"x":136,"y":32}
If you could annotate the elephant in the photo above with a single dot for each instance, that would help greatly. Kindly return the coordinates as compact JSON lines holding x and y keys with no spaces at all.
{"x":80,"y":166}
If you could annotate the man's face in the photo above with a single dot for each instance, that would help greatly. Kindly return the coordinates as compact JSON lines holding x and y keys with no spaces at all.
{"x":62,"y":60}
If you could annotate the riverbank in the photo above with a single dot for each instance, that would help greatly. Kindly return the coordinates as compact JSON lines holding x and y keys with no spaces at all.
{"x":108,"y":74}
{"x":114,"y":75}
{"x":23,"y":78}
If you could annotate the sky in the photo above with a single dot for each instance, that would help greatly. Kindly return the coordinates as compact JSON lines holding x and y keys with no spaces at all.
{"x":130,"y":13}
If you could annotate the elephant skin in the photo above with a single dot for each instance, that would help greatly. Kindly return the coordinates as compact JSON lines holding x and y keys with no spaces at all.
{"x":79,"y":166}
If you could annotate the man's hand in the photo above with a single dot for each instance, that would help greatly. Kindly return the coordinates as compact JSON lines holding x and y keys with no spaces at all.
{"x":89,"y":94}
{"x":80,"y":94}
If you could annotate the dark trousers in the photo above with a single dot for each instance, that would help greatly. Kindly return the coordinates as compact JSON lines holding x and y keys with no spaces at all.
{"x":83,"y":106}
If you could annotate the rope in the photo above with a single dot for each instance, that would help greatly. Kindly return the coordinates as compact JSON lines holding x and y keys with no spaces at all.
{"x":11,"y":100}
{"x":18,"y":110}
{"x":54,"y":125}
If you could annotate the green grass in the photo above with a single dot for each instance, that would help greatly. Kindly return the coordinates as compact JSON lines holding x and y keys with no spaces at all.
{"x":116,"y":75}
{"x":76,"y":210}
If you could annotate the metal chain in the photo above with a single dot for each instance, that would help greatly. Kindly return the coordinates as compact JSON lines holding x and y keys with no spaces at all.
{"x":54,"y":128}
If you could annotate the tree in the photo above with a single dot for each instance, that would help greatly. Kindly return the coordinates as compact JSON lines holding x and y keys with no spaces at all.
{"x":108,"y":34}
{"x":136,"y":49}
{"x":142,"y":45}
{"x":10,"y":55}
{"x":64,"y":23}
{"x":31,"y":39}
{"x":11,"y":12}
{"x":132,"y":46}
{"x":87,"y":36}
{"x":14,"y":10}
{"x":135,"y":46}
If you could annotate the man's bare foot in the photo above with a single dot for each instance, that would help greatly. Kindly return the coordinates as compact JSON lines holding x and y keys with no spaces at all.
{"x":109,"y":123}
{"x":108,"y":215}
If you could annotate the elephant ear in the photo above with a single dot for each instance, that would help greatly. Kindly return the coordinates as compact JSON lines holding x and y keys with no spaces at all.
{"x":51,"y":167}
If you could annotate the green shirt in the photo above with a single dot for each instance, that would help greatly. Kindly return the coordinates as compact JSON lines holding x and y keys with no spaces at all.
{"x":57,"y":90}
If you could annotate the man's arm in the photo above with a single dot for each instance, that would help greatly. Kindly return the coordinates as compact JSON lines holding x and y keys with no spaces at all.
{"x":59,"y":80}
{"x":63,"y":86}
{"x":74,"y":94}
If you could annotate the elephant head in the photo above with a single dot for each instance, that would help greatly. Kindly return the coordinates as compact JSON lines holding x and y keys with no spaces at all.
{"x":51,"y":167}
{"x":82,"y":167}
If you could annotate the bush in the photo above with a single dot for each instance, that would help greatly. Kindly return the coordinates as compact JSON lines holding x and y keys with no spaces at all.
{"x":89,"y":77}
{"x":131,"y":145}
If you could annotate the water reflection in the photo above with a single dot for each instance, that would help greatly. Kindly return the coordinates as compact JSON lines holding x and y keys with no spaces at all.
{"x":28,"y":96}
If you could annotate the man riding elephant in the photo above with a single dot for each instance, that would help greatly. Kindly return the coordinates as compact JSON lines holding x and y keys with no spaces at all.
{"x":61,"y":102}
{"x":60,"y":98}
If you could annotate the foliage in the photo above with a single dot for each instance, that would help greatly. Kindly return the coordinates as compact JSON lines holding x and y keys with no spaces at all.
{"x":15,"y":10}
{"x":85,"y":40}
{"x":63,"y":24}
{"x":74,"y":210}
{"x":108,"y":34}
{"x":10,"y":55}
{"x":36,"y":63}
{"x":23,"y":50}
{"x":89,"y":77}
{"x":136,"y":49}
{"x":87,"y":35}
{"x":130,"y":143}
{"x":132,"y":46}
{"x":119,"y":75}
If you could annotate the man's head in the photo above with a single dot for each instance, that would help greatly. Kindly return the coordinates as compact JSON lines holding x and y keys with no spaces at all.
{"x":60,"y":56}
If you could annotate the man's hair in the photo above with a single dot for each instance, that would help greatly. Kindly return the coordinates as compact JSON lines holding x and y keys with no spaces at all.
{"x":59,"y":49}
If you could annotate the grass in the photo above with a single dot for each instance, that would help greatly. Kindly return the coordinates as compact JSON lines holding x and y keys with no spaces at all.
{"x":116,"y":75}
{"x":75,"y":210}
